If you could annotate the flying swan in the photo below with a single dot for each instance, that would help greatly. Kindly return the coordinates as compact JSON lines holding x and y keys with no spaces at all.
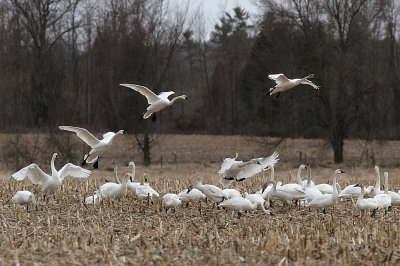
{"x":284,"y":84}
{"x":156,"y":102}
{"x":99,"y":147}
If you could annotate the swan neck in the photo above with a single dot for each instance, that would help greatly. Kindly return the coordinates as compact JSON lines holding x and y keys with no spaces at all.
{"x":386,"y":184}
{"x":272,"y":173}
{"x":362,"y":193}
{"x":53,"y":168}
{"x":378,"y":179}
{"x":335,"y":191}
{"x":176,"y":98}
{"x":298,"y":176}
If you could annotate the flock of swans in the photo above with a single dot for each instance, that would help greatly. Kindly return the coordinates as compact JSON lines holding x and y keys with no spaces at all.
{"x":304,"y":192}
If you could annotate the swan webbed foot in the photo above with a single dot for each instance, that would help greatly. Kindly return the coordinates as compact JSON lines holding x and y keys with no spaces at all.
{"x":96,"y":164}
{"x":154,"y":118}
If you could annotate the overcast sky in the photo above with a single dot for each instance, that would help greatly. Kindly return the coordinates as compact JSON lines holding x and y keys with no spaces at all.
{"x":213,"y":9}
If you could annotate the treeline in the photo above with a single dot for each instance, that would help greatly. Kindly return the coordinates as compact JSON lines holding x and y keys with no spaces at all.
{"x":61,"y":63}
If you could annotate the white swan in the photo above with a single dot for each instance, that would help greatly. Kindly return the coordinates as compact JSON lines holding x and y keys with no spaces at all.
{"x":170,"y":201}
{"x":353,"y":191}
{"x":113,"y":190}
{"x":132,"y":185}
{"x":24,"y":197}
{"x":145,"y":191}
{"x":384,"y":200}
{"x":156,"y":102}
{"x":395,"y":198}
{"x":310,"y":190}
{"x":284,"y":84}
{"x":99,"y":147}
{"x":298,"y":186}
{"x":50,"y":183}
{"x":231,"y":193}
{"x":326,"y":200}
{"x":232,"y":170}
{"x":285,"y":194}
{"x":255,"y":198}
{"x":212,"y":192}
{"x":192,"y":195}
{"x":366,"y":204}
{"x":242,"y":204}
{"x":377,"y":189}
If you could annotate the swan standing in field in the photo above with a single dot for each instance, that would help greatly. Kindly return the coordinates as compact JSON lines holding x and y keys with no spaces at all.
{"x":232,"y":170}
{"x":99,"y":147}
{"x":231,"y":193}
{"x":156,"y":102}
{"x":255,"y":198}
{"x":283,"y":83}
{"x":133,"y":185}
{"x":170,"y":200}
{"x":326,"y":200}
{"x":377,"y":189}
{"x":395,"y":198}
{"x":192,"y":195}
{"x":285,"y":194}
{"x":383,"y":199}
{"x":212,"y":192}
{"x":366,"y":204}
{"x":50,"y":183}
{"x":113,"y":190}
{"x":145,"y":191}
{"x":24,"y":197}
{"x":242,"y":204}
{"x":310,"y":190}
{"x":353,"y":191}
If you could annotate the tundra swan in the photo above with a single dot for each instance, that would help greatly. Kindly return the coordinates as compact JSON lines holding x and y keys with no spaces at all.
{"x":283,"y":83}
{"x":98,"y":147}
{"x":353,"y":191}
{"x":51,"y":183}
{"x":395,"y":198}
{"x":326,"y":200}
{"x":285,"y":194}
{"x":242,"y":204}
{"x":366,"y":204}
{"x":145,"y":191}
{"x":231,"y":193}
{"x":24,"y":197}
{"x":192,"y":195}
{"x":212,"y":192}
{"x":132,"y":185}
{"x":384,"y":200}
{"x":113,"y":190}
{"x":156,"y":102}
{"x":377,"y":189}
{"x":255,"y":198}
{"x":170,"y":200}
{"x":310,"y":190}
{"x":232,"y":170}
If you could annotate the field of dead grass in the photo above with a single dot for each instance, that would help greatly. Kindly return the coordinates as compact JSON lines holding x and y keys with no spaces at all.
{"x":66,"y":232}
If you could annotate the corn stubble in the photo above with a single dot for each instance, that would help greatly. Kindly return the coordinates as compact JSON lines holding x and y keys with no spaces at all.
{"x":65,"y":231}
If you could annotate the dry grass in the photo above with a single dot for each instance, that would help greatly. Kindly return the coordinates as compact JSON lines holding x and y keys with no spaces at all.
{"x":65,"y":231}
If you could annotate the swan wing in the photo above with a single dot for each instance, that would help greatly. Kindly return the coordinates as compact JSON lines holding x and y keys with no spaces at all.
{"x":108,"y":135}
{"x":269,"y":161}
{"x":34,"y":173}
{"x":150,"y":96}
{"x":73,"y":170}
{"x":307,"y":82}
{"x":278,"y":78}
{"x":83,"y":134}
{"x":165,"y":95}
{"x":227,"y":163}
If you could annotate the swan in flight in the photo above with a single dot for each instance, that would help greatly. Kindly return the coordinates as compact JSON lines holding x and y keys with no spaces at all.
{"x":284,"y":84}
{"x":212,"y":192}
{"x":51,"y":183}
{"x":24,"y":197}
{"x":366,"y":204}
{"x":170,"y":200}
{"x":156,"y":102}
{"x":232,"y":170}
{"x":242,"y":204}
{"x":326,"y":200}
{"x":99,"y":147}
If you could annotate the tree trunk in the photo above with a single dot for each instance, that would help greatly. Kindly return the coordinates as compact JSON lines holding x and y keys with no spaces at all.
{"x":146,"y":149}
{"x":337,"y":146}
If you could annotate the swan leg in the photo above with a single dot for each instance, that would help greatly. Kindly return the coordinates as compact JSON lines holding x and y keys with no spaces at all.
{"x":96,"y":163}
{"x":27,"y":205}
{"x":323,"y":210}
{"x":373,"y":213}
